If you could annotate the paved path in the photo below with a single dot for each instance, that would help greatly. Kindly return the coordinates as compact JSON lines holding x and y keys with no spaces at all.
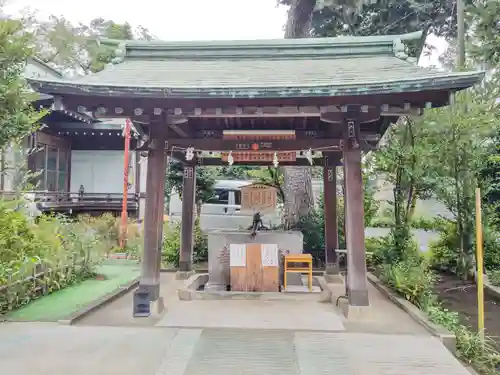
{"x":228,"y":337}
{"x":51,"y":349}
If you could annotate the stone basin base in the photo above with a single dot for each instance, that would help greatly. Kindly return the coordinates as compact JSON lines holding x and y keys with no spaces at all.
{"x":194,"y":290}
{"x":219,"y":242}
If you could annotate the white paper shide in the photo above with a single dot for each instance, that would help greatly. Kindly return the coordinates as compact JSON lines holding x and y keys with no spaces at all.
{"x":237,"y":255}
{"x":269,"y":253}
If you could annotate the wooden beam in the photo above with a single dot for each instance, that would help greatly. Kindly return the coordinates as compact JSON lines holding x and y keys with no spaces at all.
{"x":205,"y":162}
{"x":227,"y":145}
{"x":258,"y":111}
{"x":179,"y":130}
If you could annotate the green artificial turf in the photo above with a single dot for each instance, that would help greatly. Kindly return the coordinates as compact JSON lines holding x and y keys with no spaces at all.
{"x":63,"y":303}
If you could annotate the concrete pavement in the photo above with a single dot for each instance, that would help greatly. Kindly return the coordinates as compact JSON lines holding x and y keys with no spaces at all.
{"x":228,"y":337}
{"x":44,"y":348}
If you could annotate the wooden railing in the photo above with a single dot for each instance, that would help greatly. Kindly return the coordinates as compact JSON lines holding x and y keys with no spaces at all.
{"x":64,"y":201}
{"x":41,"y":281}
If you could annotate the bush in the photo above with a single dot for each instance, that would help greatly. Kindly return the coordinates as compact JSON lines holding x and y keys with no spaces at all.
{"x":445,"y":251}
{"x":312,"y":227}
{"x":56,"y":252}
{"x":494,"y":277}
{"x":410,"y":278}
{"x":471,"y":348}
{"x":375,"y":250}
{"x":425,"y":223}
{"x":172,"y":244}
{"x":491,"y":248}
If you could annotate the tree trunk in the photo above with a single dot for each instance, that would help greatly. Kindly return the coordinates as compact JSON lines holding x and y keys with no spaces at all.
{"x":298,"y":24}
{"x":298,"y":194}
{"x":298,"y":180}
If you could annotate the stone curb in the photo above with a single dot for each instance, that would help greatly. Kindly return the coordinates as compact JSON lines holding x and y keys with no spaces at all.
{"x":316,"y":272}
{"x":102,"y":301}
{"x":446,"y":337}
{"x":492,"y":290}
{"x":190,"y":292}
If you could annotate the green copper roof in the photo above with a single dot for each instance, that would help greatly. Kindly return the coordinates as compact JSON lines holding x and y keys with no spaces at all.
{"x":261,"y":69}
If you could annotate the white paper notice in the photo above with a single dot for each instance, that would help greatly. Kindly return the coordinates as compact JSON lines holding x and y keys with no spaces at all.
{"x":269,"y":253}
{"x":237,"y":255}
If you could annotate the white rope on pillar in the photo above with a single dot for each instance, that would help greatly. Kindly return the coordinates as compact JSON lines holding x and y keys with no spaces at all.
{"x":275,"y":160}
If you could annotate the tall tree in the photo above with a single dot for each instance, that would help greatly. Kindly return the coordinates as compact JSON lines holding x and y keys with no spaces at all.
{"x":382,"y":17}
{"x":17,"y":117}
{"x":485,"y":16}
{"x":75,"y":48}
{"x":298,"y":180}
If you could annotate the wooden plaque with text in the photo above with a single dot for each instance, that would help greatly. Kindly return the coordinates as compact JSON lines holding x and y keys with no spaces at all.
{"x":254,"y":276}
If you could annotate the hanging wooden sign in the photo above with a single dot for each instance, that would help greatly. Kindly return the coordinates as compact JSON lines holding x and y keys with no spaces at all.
{"x":263,"y":156}
{"x":258,"y":198}
{"x":258,"y":135}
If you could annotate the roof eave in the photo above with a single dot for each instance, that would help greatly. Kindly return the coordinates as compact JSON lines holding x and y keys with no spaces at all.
{"x":457,"y":81}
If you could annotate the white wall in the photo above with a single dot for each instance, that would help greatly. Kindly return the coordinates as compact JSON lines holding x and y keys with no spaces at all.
{"x":100,"y":171}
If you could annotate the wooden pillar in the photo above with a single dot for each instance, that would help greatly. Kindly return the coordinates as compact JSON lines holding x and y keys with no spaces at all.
{"x":153,"y":218}
{"x":330,"y":214}
{"x":187,"y":223}
{"x":355,"y":228}
{"x":137,"y":181}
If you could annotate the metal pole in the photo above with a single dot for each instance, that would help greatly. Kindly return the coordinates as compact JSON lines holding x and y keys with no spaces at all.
{"x":479,"y":261}
{"x":123,"y":226}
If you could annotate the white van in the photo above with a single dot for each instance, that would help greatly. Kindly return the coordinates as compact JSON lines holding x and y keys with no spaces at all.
{"x":223,"y":210}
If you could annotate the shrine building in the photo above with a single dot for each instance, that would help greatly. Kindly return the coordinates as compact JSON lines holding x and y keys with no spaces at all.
{"x":321,"y":102}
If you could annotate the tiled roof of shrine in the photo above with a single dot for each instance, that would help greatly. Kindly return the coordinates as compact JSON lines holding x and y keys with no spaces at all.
{"x":285,"y":68}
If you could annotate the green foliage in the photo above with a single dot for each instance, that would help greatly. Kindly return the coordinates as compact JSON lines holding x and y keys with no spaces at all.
{"x":471,"y":348}
{"x":68,"y":46}
{"x":484,"y":15}
{"x":270,"y":176}
{"x":411,"y":278}
{"x":41,"y":258}
{"x":200,"y":249}
{"x":17,"y":118}
{"x":382,"y":17}
{"x":236,"y":172}
{"x":375,"y":250}
{"x":205,"y":180}
{"x":312,"y":227}
{"x":494,"y":277}
{"x":172,"y":244}
{"x":107,"y":227}
{"x":445,"y":251}
{"x":491,"y":237}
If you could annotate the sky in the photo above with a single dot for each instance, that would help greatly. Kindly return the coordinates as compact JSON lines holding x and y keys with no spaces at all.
{"x":185,"y":20}
{"x":175,"y":19}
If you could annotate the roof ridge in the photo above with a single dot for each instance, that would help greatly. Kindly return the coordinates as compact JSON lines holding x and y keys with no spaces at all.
{"x":308,"y":48}
{"x":45,"y":65}
{"x":264,"y":43}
